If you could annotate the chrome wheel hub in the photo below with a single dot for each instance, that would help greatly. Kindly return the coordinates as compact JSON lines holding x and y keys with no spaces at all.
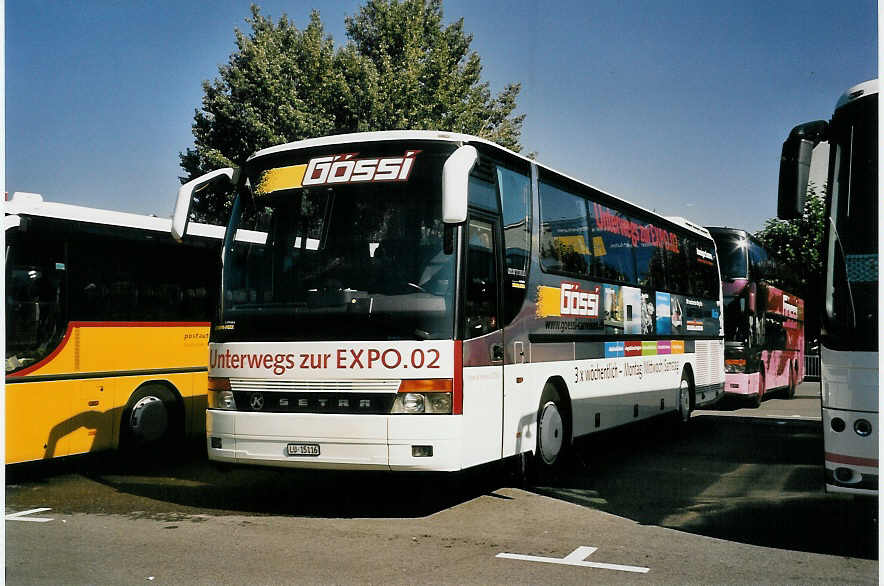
{"x":551,"y":433}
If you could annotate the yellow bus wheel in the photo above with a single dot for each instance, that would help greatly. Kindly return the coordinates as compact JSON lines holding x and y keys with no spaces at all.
{"x":150,"y":417}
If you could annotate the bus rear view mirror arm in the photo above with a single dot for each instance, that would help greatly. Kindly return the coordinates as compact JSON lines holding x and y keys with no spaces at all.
{"x":795,"y":167}
{"x":455,"y":184}
{"x":185,"y":197}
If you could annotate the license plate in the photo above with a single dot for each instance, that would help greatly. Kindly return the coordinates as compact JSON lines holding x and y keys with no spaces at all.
{"x":302,"y":450}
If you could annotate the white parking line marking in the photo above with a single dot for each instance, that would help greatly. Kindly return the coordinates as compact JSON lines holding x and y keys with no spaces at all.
{"x":575,"y":558}
{"x":580,"y":554}
{"x":20,"y":516}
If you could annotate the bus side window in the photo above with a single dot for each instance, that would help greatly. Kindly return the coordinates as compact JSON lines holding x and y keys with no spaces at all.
{"x":483,"y":192}
{"x":757,"y":259}
{"x":775,"y":334}
{"x":650,"y":262}
{"x":613,"y":249}
{"x":36,"y":308}
{"x":678,"y":269}
{"x":707,"y":268}
{"x":691,"y":284}
{"x":480,"y":311}
{"x":564,"y":233}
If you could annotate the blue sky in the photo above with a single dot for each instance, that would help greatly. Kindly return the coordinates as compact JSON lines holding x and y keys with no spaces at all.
{"x":681,"y":107}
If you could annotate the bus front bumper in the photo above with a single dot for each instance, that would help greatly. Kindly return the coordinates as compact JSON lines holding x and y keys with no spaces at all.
{"x":743,"y":385}
{"x":851,"y":459}
{"x":343,"y":442}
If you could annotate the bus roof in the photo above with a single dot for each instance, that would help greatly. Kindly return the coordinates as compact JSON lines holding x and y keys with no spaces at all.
{"x":436,"y":135}
{"x":858,"y":91}
{"x":32,"y":204}
{"x":685,"y":223}
{"x":728,"y":229}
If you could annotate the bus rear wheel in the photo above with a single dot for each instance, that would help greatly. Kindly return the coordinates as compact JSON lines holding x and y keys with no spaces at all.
{"x":685,"y":399}
{"x":151,"y":418}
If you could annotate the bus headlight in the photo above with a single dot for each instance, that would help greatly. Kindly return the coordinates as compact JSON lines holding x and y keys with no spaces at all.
{"x":425,"y":403}
{"x":222,"y":400}
{"x":413,"y":402}
{"x":440,"y":402}
{"x":425,"y":396}
{"x":220,"y":394}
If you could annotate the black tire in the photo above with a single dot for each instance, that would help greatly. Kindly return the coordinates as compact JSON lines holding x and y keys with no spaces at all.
{"x":686,"y":399}
{"x":553,"y":433}
{"x":152,"y":419}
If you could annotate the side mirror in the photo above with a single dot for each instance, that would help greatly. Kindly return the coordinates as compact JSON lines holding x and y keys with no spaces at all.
{"x":795,"y":167}
{"x":455,"y":184}
{"x":185,"y":197}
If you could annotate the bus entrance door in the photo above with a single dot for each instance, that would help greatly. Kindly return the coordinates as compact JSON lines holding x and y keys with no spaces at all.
{"x":483,"y":344}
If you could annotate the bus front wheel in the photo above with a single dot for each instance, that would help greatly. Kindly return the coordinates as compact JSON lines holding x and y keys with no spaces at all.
{"x":150,"y":417}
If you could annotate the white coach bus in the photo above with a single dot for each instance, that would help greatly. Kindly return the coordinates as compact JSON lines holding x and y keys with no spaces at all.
{"x":419,"y":300}
{"x":849,"y":285}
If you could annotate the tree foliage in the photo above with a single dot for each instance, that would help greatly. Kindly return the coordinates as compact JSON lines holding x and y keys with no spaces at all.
{"x":401,"y":68}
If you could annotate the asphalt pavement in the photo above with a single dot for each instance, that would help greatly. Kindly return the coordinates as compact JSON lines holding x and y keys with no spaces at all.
{"x":736,"y":498}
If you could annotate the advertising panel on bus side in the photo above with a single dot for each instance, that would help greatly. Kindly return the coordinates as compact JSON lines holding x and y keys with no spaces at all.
{"x":605,"y":309}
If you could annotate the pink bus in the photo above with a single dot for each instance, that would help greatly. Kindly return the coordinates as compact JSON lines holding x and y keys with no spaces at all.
{"x":763,"y":325}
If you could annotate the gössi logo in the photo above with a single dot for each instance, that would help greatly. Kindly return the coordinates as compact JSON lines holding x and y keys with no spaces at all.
{"x":578,"y":303}
{"x":346,"y":168}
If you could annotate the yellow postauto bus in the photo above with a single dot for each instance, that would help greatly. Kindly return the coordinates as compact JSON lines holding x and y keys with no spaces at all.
{"x":107,"y":325}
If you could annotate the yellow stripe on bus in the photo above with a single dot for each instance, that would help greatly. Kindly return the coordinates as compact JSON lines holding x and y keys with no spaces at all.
{"x":549,"y":301}
{"x":281,"y":178}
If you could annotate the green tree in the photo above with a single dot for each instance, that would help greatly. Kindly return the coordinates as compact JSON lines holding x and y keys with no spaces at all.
{"x":427,"y":75}
{"x":400,"y":69}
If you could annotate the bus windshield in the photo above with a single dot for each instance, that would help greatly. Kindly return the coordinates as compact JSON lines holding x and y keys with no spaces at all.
{"x":731,"y":255}
{"x":342,"y":260}
{"x":852,"y":257}
{"x":736,"y":319}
